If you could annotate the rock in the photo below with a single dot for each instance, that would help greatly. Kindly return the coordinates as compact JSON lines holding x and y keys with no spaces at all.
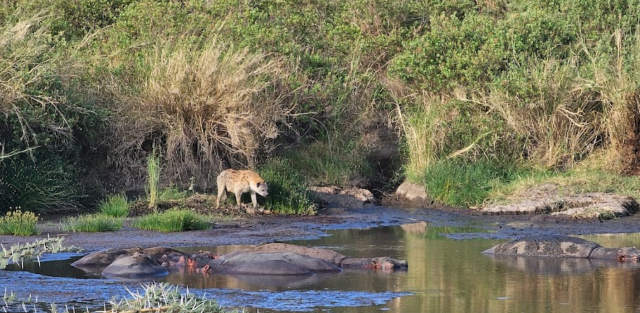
{"x":563,"y":247}
{"x":412,"y":194}
{"x":348,"y":197}
{"x":546,"y":199}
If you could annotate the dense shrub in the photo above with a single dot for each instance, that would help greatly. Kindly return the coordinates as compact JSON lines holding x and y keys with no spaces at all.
{"x":287,"y":189}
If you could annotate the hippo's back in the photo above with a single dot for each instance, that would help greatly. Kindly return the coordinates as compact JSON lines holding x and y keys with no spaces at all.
{"x":550,"y":246}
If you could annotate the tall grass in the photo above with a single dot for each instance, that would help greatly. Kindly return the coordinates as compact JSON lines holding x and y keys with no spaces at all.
{"x":464,"y":184}
{"x":207,"y":103}
{"x":153,"y":179}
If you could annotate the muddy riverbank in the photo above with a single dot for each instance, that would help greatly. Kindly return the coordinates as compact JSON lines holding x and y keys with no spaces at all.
{"x":270,"y":228}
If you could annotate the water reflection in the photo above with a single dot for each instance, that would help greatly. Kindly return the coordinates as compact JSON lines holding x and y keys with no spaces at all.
{"x":444,"y":276}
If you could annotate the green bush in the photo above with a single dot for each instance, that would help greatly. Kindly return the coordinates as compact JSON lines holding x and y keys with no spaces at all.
{"x":454,"y":52}
{"x":92,"y":223}
{"x":173,"y":220}
{"x":36,"y":187}
{"x":288,"y":192}
{"x":115,"y":206}
{"x":18,"y":223}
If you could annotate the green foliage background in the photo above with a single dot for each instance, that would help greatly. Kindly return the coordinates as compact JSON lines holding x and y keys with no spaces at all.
{"x":470,"y":76}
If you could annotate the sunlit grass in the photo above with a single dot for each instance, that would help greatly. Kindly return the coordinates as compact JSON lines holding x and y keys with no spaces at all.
{"x":92,"y":223}
{"x":173,"y":220}
{"x":115,"y":206}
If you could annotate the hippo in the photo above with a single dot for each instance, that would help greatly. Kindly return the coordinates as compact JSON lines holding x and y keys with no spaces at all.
{"x":268,"y":259}
{"x":563,"y":247}
{"x":335,"y":258}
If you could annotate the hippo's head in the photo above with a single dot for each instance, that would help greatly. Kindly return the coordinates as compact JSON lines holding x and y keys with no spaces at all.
{"x":386,"y":263}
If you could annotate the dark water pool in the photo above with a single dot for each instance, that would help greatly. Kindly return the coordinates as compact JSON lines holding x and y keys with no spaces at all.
{"x":444,"y":275}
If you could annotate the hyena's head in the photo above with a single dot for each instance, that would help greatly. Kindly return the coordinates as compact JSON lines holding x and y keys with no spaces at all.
{"x":261,"y":188}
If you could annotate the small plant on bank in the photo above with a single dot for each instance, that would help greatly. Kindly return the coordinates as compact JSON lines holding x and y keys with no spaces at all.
{"x":153,"y":178}
{"x":171,"y":194}
{"x":173,"y":220}
{"x":165,"y":298}
{"x":288,"y":192}
{"x":19,"y":223}
{"x":20,"y":253}
{"x":92,"y":223}
{"x":115,"y":206}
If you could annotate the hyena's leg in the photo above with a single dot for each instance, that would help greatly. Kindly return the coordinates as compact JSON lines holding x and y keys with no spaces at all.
{"x":222,"y":195}
{"x":254,"y":200}
{"x":238,"y":197}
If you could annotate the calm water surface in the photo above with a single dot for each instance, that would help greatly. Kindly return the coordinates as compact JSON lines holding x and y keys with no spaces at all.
{"x":444,"y":275}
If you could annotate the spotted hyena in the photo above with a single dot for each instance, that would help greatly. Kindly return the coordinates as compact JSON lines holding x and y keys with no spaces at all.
{"x":239,"y":182}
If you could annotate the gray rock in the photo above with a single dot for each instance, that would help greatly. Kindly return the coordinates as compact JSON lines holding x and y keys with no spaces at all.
{"x":546,"y":199}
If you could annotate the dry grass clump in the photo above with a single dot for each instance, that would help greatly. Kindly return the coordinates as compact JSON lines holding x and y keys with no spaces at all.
{"x":201,"y":104}
{"x":23,"y":45}
{"x":560,"y":125}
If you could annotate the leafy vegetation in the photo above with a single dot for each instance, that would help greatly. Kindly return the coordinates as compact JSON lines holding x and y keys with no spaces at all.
{"x":287,"y":191}
{"x":92,"y":223}
{"x":173,"y":220}
{"x":18,"y":223}
{"x":88,"y":88}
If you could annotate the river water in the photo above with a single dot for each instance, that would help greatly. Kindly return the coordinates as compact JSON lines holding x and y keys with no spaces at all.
{"x":445,"y":275}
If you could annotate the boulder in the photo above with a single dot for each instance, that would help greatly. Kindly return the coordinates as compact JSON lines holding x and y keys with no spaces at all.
{"x":412,"y":194}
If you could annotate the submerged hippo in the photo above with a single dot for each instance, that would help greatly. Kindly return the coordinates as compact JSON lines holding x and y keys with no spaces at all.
{"x":269,"y":259}
{"x":564,"y":247}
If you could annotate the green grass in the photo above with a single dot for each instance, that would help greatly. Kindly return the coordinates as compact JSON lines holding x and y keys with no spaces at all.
{"x":115,"y":206}
{"x":573,"y":181}
{"x":153,"y":178}
{"x":287,"y":189}
{"x":19,"y":223}
{"x":173,"y":220}
{"x":92,"y":223}
{"x":462,"y":184}
{"x":171,"y":193}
